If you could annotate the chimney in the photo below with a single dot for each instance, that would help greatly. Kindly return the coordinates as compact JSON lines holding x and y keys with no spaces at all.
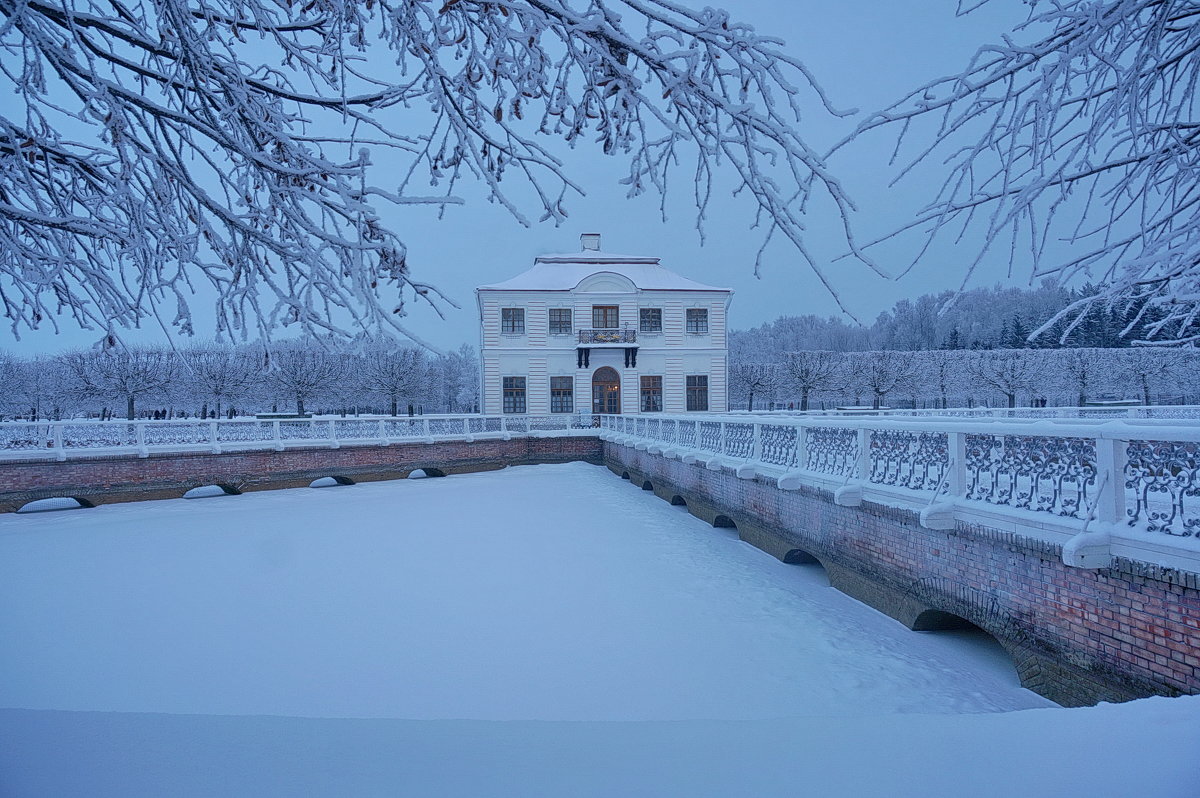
{"x":590,"y":242}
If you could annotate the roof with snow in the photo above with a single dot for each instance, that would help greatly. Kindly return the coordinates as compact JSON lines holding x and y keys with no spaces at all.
{"x":566,"y":271}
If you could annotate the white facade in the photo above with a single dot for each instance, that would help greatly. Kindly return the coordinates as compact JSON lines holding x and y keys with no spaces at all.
{"x":591,"y":332}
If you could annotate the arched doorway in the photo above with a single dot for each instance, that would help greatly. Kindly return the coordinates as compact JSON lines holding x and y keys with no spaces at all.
{"x":606,"y":391}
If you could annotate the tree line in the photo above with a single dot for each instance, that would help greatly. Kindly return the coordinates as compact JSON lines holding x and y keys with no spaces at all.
{"x":940,"y":378}
{"x":997,"y":345}
{"x":216,"y":380}
{"x":982,"y":318}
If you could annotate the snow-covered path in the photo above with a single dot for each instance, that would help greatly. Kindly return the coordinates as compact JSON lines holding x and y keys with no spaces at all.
{"x":547,"y":593}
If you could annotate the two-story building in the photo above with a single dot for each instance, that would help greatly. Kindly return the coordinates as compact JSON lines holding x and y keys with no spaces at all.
{"x":593,"y":332}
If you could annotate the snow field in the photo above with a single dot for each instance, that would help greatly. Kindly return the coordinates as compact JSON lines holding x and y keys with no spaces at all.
{"x":538,"y":630}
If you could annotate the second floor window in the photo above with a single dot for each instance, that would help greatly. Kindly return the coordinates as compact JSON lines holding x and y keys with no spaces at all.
{"x":514,"y":394}
{"x":650,"y":320}
{"x":512,"y":321}
{"x":697,"y":320}
{"x":560,"y":321}
{"x":562,"y":394}
{"x":651,"y":394}
{"x":605,"y":317}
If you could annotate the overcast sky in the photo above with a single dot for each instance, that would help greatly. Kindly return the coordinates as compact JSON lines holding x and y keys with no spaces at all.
{"x":865,"y":54}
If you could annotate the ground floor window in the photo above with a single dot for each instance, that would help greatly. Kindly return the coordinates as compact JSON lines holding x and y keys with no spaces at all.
{"x":514,"y":394}
{"x":562,"y":394}
{"x":697,"y":392}
{"x":651,"y":394}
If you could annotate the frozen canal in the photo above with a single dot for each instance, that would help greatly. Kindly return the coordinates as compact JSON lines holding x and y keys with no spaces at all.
{"x":547,"y":593}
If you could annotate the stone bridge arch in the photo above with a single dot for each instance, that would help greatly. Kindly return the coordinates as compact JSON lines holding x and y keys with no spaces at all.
{"x":939,"y":604}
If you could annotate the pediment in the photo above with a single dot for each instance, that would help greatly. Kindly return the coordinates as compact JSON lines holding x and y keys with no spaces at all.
{"x":606,"y":283}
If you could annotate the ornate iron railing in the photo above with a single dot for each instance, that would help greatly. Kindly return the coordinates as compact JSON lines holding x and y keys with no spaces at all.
{"x":623,"y":336}
{"x":1134,"y":474}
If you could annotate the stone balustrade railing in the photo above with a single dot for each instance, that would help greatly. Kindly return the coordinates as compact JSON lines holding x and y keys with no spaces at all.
{"x":1099,"y":412}
{"x":1102,"y":488}
{"x":62,"y":440}
{"x":1128,"y":487}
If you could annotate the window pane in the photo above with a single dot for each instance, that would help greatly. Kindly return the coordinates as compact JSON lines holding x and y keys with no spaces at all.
{"x":562,"y":391}
{"x":605,"y":317}
{"x":560,"y":321}
{"x":514,"y":394}
{"x":650,"y":320}
{"x":697,"y":320}
{"x":512,"y":321}
{"x":651,"y":394}
{"x":697,"y":392}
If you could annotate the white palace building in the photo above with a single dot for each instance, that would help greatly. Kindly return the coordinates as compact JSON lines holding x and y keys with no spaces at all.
{"x":593,"y":332}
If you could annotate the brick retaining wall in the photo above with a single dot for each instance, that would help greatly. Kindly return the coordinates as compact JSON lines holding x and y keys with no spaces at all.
{"x":102,"y":480}
{"x":1076,"y":636}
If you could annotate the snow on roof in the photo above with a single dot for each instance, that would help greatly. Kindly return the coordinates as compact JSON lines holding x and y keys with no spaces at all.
{"x":566,"y":271}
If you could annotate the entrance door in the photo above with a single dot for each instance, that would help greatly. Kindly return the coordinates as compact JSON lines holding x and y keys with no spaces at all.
{"x":606,"y":391}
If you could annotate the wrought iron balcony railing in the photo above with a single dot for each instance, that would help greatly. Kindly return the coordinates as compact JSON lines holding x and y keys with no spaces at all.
{"x":625,"y":336}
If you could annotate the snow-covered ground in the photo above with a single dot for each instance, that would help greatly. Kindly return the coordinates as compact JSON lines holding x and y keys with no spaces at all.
{"x":544,"y":630}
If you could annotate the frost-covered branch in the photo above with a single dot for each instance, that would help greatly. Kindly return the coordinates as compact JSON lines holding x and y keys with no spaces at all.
{"x":248,"y":148}
{"x":1075,"y":149}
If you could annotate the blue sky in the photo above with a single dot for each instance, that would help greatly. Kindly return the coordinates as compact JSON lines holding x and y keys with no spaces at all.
{"x":865,"y":54}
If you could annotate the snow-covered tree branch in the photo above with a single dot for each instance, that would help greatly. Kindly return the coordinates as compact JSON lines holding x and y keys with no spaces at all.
{"x":1073,"y":145}
{"x":157,"y":148}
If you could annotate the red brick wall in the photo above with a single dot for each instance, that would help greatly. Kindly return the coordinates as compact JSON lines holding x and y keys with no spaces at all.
{"x":124,"y":478}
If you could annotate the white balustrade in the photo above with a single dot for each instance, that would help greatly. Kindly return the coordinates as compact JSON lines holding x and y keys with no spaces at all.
{"x":63,"y":440}
{"x":1138,"y":477}
{"x":1041,"y":477}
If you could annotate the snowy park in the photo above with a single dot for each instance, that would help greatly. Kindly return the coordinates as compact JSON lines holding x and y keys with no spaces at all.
{"x":541,"y":630}
{"x":251,"y":246}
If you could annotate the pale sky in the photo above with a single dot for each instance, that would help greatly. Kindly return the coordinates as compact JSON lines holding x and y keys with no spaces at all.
{"x":865,"y":53}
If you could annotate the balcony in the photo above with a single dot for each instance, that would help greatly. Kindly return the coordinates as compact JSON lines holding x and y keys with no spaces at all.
{"x":608,"y":336}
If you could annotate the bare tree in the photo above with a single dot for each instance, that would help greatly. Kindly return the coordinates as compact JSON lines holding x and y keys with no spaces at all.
{"x":394,"y":374}
{"x":10,"y":383}
{"x":1081,"y":127}
{"x":754,"y":379}
{"x":303,"y":372}
{"x":219,"y":371}
{"x":813,"y":371}
{"x":456,"y":375}
{"x":1084,"y":371}
{"x":250,"y":145}
{"x":43,"y":388}
{"x":123,"y":374}
{"x":1009,"y":371}
{"x":942,"y":370}
{"x":1152,"y":368}
{"x":880,"y":373}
